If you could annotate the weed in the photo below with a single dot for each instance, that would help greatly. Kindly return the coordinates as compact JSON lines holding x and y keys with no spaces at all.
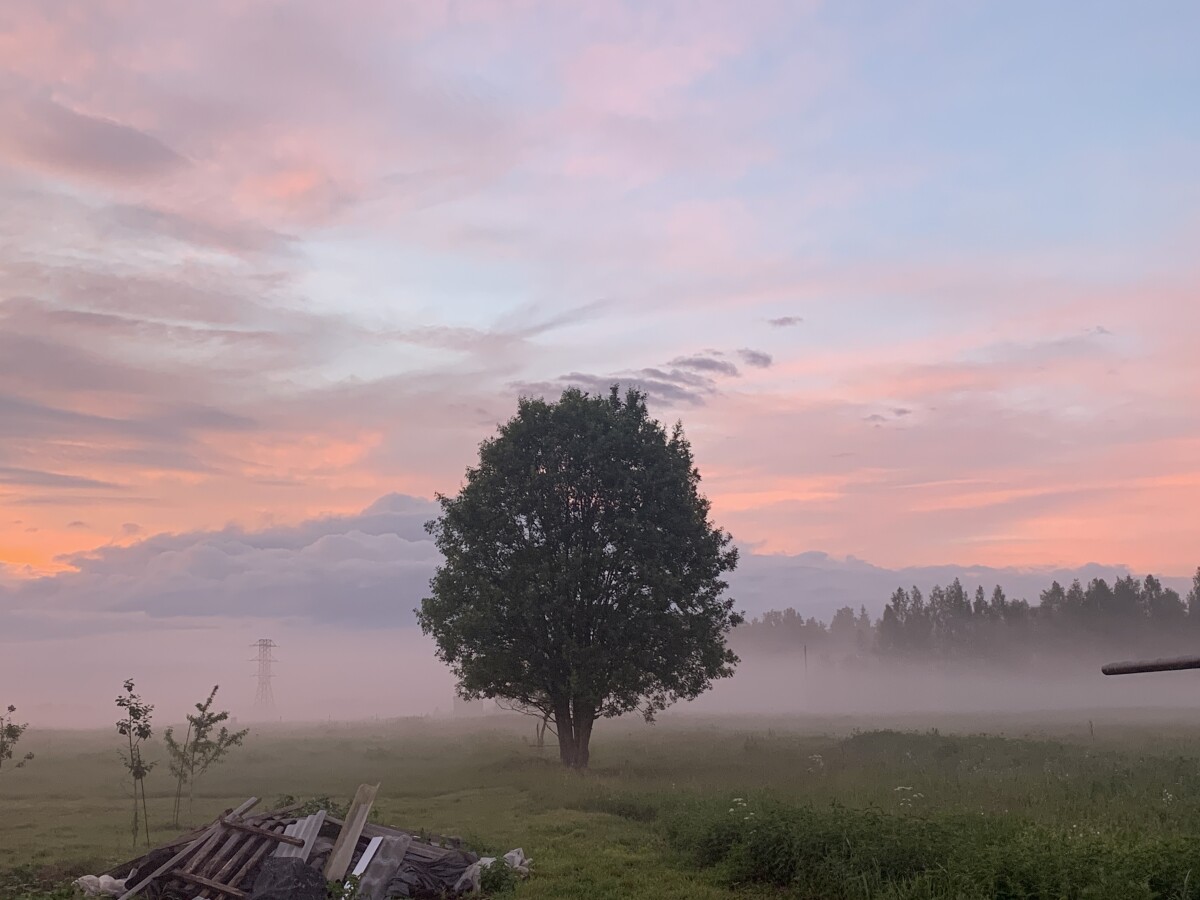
{"x":10,"y":733}
{"x":343,"y":890}
{"x":498,"y":879}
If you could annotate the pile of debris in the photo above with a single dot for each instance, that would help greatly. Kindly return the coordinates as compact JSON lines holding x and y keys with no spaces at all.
{"x":285,"y":855}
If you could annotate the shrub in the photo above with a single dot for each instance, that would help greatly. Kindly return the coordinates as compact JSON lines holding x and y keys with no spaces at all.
{"x":835,"y":852}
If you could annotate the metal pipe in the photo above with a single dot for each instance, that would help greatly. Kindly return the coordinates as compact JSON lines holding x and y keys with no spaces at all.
{"x":1172,"y":664}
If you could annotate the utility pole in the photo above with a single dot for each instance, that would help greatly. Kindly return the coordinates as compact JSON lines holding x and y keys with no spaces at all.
{"x":264,"y":699}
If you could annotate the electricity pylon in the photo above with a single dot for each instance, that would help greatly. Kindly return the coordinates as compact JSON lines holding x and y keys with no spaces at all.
{"x":264,"y":699}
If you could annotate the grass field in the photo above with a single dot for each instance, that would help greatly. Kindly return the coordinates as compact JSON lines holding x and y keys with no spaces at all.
{"x":697,"y":808}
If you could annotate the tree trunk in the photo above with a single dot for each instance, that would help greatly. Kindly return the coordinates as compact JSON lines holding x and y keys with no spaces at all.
{"x":145,"y":813}
{"x":178,"y":799}
{"x":566,"y":733}
{"x":583,"y":739}
{"x":574,"y":734}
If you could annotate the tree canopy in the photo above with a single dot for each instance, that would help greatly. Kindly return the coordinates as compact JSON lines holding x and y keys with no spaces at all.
{"x":1130,"y":616}
{"x":582,"y":578}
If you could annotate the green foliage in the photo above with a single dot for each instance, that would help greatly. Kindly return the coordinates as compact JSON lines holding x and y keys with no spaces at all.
{"x":310,"y":805}
{"x":10,"y":734}
{"x":835,"y":852}
{"x":972,"y":816}
{"x":343,"y":890}
{"x":200,"y":748}
{"x":136,"y":727}
{"x":498,"y":879}
{"x":27,"y":883}
{"x":582,"y":577}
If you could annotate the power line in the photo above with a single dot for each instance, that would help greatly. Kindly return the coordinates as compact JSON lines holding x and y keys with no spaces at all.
{"x":264,"y":699}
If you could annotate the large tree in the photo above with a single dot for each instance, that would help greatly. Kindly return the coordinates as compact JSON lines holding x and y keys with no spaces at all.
{"x":581,"y":575}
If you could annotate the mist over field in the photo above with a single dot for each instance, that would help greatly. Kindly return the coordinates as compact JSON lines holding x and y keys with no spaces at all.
{"x":767,"y":685}
{"x":333,"y":674}
{"x":179,"y":613}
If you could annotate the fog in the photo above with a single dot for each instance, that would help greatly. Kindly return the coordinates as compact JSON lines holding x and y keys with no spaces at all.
{"x":766,"y":684}
{"x":319,"y":674}
{"x":324,"y":674}
{"x":179,"y":613}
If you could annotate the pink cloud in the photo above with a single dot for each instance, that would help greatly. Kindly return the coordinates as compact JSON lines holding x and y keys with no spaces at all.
{"x":170,"y":174}
{"x":628,"y":80}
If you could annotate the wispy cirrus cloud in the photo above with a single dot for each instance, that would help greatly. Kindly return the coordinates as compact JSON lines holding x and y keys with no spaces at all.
{"x":257,"y":262}
{"x":46,"y":135}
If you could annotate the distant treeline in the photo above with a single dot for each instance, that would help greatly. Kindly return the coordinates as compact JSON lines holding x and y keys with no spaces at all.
{"x":950,"y":622}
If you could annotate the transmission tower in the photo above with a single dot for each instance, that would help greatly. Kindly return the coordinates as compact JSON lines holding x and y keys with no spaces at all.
{"x":264,"y":699}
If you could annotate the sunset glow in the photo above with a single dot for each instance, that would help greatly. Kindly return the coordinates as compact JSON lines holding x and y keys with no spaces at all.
{"x":921,"y":286}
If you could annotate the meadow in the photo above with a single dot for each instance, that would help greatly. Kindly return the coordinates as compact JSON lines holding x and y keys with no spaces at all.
{"x":1075,"y":805}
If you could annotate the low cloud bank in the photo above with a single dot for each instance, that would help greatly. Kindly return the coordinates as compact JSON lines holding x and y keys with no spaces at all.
{"x":369,"y":570}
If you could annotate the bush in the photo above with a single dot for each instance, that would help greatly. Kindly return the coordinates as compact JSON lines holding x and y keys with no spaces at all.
{"x":498,"y":879}
{"x":836,"y":853}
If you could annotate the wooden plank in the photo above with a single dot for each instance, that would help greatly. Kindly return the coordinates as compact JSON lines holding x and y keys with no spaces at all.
{"x":200,"y":857}
{"x":171,"y":863}
{"x":213,"y":863}
{"x":180,"y":841}
{"x":253,"y":861}
{"x":242,"y":844}
{"x":283,"y":838}
{"x":211,"y":885}
{"x":308,"y":829}
{"x":247,"y":848}
{"x":184,"y":838}
{"x":356,"y":818}
{"x":234,"y":839}
{"x":183,"y":854}
{"x":210,"y":855}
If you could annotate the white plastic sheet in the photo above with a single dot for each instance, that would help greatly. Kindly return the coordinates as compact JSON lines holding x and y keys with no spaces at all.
{"x":471,"y":879}
{"x":101,"y":885}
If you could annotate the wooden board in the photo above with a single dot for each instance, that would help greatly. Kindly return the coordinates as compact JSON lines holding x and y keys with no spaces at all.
{"x":211,"y":885}
{"x":238,"y":846}
{"x":356,"y":818}
{"x":283,"y":838}
{"x":233,"y":840}
{"x":245,"y":849}
{"x":253,"y":861}
{"x":183,"y":855}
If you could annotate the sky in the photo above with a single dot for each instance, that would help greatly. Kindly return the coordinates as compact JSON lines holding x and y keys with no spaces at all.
{"x":920,"y":280}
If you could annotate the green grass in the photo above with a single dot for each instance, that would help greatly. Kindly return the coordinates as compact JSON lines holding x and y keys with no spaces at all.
{"x":693,"y":809}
